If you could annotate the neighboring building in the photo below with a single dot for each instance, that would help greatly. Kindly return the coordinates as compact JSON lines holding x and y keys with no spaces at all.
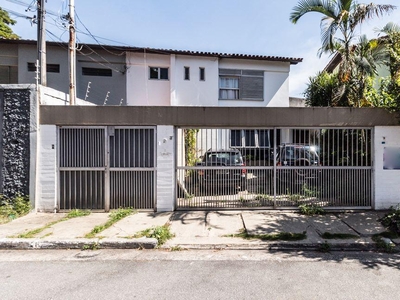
{"x":114,"y":75}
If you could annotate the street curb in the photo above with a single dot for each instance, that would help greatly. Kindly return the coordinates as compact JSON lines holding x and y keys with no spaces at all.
{"x":279,"y":247}
{"x":36,"y":244}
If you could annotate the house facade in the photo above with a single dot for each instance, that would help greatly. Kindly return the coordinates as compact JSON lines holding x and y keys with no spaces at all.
{"x":109,"y":75}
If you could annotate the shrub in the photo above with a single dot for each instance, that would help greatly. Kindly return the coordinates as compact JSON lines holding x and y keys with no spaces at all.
{"x":392,"y":219}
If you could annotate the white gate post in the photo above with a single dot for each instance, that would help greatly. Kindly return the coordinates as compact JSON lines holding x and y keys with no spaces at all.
{"x":166,"y":175}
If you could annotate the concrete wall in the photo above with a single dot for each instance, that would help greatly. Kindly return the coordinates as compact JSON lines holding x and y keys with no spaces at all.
{"x":195,"y":92}
{"x":166,"y":181}
{"x":140,"y":89}
{"x":47,"y":170}
{"x":23,"y":54}
{"x":386,"y":182}
{"x":49,"y":96}
{"x":213,"y":117}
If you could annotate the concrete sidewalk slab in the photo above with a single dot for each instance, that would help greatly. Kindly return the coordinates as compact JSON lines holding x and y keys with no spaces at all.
{"x":135,"y":223}
{"x":205,"y":229}
{"x":330,"y":223}
{"x":220,"y":224}
{"x":74,"y":228}
{"x":189,"y":224}
{"x":365,"y":223}
{"x":267,"y":223}
{"x":27,"y":223}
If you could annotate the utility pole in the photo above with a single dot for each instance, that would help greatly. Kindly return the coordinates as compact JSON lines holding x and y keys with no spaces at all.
{"x":72,"y":53}
{"x":41,"y":42}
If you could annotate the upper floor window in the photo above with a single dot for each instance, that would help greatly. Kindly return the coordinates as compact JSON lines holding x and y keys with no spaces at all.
{"x":202,"y":74}
{"x":248,"y":138}
{"x":50,"y":68}
{"x":187,"y":73}
{"x":241,"y":84}
{"x":158,"y":73}
{"x":96,"y":72}
{"x":228,"y":87}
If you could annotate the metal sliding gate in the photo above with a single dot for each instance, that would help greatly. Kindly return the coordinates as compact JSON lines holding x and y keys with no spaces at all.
{"x":106,"y":167}
{"x":274,"y":167}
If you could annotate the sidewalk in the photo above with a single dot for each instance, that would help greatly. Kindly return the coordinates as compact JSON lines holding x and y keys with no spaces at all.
{"x":197,"y":230}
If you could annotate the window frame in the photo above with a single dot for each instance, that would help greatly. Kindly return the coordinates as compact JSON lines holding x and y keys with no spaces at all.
{"x":50,"y":68}
{"x":251,"y":84}
{"x":235,"y":90}
{"x":202,"y":74}
{"x":186,"y":73}
{"x":98,"y":72}
{"x":159,"y":73}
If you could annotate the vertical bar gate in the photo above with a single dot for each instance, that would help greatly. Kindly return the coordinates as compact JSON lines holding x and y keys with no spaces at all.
{"x":274,"y":167}
{"x":106,"y":168}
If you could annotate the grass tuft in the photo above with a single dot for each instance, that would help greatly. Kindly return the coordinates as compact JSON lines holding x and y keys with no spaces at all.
{"x":161,"y":233}
{"x":281,"y":236}
{"x":114,"y":217}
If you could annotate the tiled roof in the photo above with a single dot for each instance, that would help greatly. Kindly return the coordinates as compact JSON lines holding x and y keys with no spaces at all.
{"x":292,"y":60}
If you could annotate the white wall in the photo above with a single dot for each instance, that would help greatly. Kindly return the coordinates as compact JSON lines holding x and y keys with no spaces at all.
{"x":387,"y":182}
{"x":194,"y":92}
{"x":140,"y":89}
{"x":49,"y":96}
{"x":47,"y":169}
{"x":166,"y":181}
{"x":276,"y":82}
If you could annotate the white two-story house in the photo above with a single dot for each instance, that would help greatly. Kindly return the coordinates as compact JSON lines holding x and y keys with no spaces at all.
{"x":114,"y":75}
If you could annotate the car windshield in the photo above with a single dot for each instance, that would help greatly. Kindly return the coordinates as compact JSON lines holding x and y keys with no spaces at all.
{"x":224,"y":157}
{"x":306,"y":152}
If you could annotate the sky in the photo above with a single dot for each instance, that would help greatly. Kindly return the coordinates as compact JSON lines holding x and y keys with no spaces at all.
{"x":227,"y":26}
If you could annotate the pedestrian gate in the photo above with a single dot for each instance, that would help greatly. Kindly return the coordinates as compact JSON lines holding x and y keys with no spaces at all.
{"x":274,"y":167}
{"x":106,"y":167}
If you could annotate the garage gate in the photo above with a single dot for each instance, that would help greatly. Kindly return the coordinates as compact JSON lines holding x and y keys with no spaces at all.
{"x":239,"y":168}
{"x":102,"y":168}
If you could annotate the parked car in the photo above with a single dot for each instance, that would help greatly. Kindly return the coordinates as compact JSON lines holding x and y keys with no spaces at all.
{"x":297,"y":155}
{"x":222,"y":175}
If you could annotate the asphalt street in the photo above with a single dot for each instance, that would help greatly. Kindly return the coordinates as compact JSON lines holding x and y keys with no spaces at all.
{"x":201,"y":274}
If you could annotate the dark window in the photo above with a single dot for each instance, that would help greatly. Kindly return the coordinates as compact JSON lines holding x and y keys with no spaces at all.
{"x":236,"y":138}
{"x":187,"y":73}
{"x":158,"y":73}
{"x":50,"y":68}
{"x":8,"y":74}
{"x":202,"y":74}
{"x":241,"y":84}
{"x":96,"y":72}
{"x":250,"y":138}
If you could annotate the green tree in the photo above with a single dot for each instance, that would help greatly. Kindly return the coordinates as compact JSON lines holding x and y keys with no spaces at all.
{"x":322,"y":90}
{"x":339,"y":23}
{"x":390,"y":87}
{"x":5,"y":30}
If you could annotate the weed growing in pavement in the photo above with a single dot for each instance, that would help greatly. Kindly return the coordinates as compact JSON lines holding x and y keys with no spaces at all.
{"x":176,"y":248}
{"x":385,"y":246}
{"x":161,"y":233}
{"x":75,"y":213}
{"x":281,"y":236}
{"x":325,"y":247}
{"x":13,"y":208}
{"x":114,"y":217}
{"x":392,"y":219}
{"x":341,"y":236}
{"x":91,"y":246}
{"x":311,"y":209}
{"x":72,"y":214}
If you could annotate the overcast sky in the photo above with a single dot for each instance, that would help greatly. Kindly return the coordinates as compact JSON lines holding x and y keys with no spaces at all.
{"x":228,"y":26}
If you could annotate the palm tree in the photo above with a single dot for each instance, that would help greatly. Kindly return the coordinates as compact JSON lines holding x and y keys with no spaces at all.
{"x":339,"y":15}
{"x":340,"y":19}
